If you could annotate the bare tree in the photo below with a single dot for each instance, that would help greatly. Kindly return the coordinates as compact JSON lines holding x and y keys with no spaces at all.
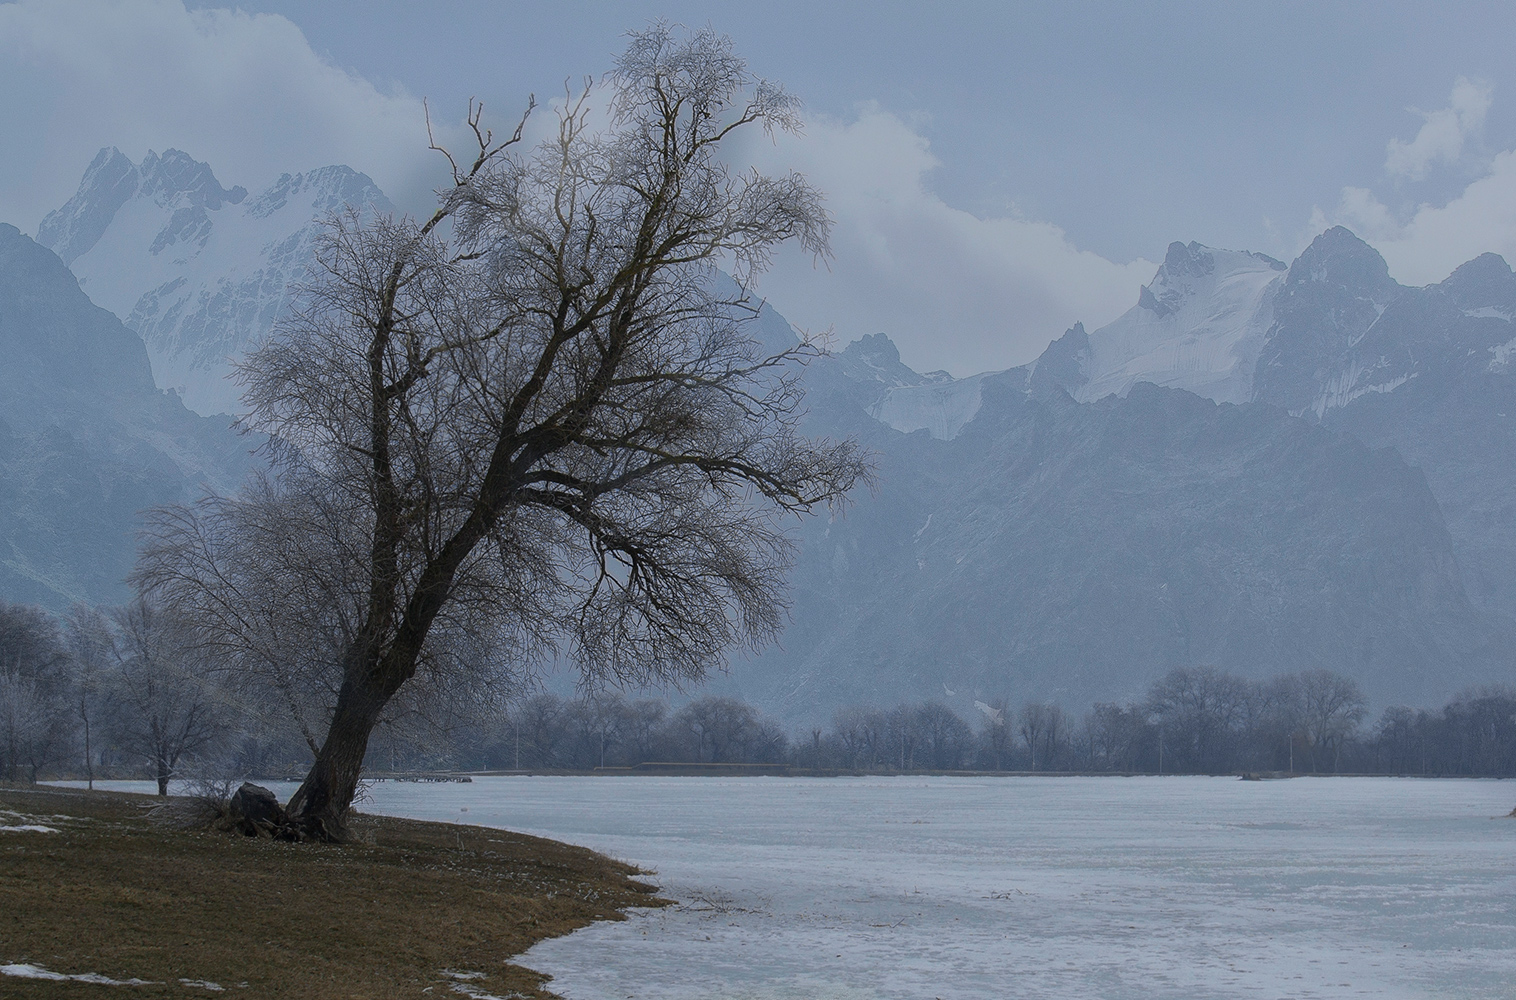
{"x":92,"y":654}
{"x":540,"y":727}
{"x":595,"y":722}
{"x":902,"y":737}
{"x":1120,"y":737}
{"x":945,"y":738}
{"x":544,"y":428}
{"x":997,"y":736}
{"x":34,"y":699}
{"x":1331,"y":708}
{"x":167,"y":708}
{"x":1283,"y":721}
{"x":1399,"y":740}
{"x":1041,"y":727}
{"x":1201,"y":713}
{"x":862,"y":734}
{"x":725,"y":731}
{"x":642,"y":730}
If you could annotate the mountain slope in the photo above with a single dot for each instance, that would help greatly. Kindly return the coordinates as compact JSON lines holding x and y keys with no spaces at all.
{"x":86,"y":439}
{"x":1423,"y":370}
{"x":1337,"y":341}
{"x":199,"y":271}
{"x":1079,"y":551}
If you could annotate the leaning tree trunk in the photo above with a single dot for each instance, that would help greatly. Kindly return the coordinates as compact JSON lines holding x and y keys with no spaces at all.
{"x":320,"y":805}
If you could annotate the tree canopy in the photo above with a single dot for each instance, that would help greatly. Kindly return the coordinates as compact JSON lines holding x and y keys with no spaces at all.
{"x":530,"y":425}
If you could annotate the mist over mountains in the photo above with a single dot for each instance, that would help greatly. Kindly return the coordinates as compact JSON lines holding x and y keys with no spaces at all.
{"x":1261,"y":466}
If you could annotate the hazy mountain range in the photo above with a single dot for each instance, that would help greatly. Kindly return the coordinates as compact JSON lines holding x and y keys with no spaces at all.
{"x":1258,"y":467}
{"x":1261,"y":467}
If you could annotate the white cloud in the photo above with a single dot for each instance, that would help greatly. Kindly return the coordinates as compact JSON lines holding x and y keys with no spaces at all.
{"x":953,"y":290}
{"x":1443,"y":133}
{"x":1437,"y":238}
{"x":244,"y":92}
{"x":247,"y":94}
{"x":1424,"y":243}
{"x":1363,"y":213}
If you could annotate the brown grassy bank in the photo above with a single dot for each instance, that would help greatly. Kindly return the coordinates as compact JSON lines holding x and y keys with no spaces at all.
{"x":115,"y":894}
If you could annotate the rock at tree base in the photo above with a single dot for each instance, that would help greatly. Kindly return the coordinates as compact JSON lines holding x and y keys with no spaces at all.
{"x":256,"y":810}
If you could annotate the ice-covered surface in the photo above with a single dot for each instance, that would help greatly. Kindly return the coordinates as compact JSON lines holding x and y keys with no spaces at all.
{"x":1035,"y":887}
{"x":1198,"y":326}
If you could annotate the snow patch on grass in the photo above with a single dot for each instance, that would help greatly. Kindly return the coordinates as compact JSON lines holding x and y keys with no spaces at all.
{"x":463,"y":984}
{"x":25,"y":971}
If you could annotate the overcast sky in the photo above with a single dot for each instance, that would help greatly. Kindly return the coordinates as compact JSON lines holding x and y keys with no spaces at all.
{"x":996,"y":170}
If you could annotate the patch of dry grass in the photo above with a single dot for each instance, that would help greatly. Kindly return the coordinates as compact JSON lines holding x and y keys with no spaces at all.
{"x":115,"y":894}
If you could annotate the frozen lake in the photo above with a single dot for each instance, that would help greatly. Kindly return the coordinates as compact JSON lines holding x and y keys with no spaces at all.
{"x":955,"y":888}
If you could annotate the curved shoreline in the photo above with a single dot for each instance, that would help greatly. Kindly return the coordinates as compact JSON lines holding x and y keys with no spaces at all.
{"x":416,"y":908}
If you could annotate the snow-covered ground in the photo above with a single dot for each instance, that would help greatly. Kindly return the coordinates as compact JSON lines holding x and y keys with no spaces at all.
{"x":1033,"y":887}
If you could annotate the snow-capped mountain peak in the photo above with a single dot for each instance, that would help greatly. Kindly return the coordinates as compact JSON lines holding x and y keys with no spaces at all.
{"x":200,"y":271}
{"x":908,"y":400}
{"x":1197,"y":326}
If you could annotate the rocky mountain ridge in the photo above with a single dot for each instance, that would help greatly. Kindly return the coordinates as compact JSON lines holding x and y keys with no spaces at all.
{"x":199,"y":271}
{"x":1078,"y":551}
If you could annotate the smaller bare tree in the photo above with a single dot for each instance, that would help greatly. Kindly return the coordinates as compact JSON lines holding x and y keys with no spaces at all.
{"x":725,"y":731}
{"x":540,"y":726}
{"x":1331,"y":708}
{"x":167,"y":707}
{"x":902,"y":736}
{"x":642,"y":730}
{"x":945,"y":738}
{"x":596,"y":721}
{"x":857,"y":735}
{"x":997,"y":736}
{"x":1033,"y":724}
{"x":1120,"y":737}
{"x":92,"y":654}
{"x":33,"y":691}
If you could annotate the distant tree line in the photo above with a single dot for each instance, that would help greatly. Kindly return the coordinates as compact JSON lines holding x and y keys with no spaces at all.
{"x":125,"y":693}
{"x":1192,"y":721}
{"x":606,"y":730}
